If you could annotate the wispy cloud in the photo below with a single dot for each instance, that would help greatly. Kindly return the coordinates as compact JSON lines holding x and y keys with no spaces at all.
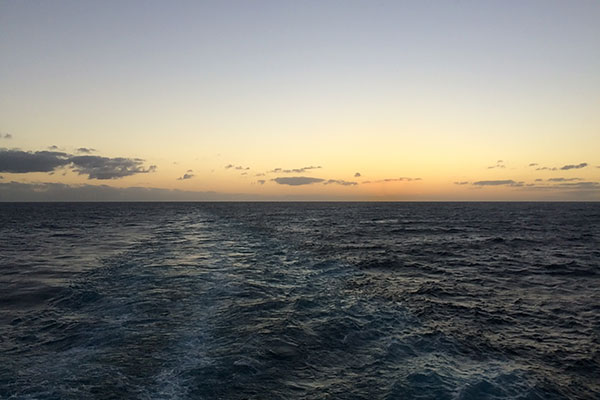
{"x":293,"y":170}
{"x":357,"y":175}
{"x":563,"y":168}
{"x":571,"y":166}
{"x":588,"y":186}
{"x":501,"y":182}
{"x":261,"y":181}
{"x":534,"y":164}
{"x":499,"y":164}
{"x":339,"y":182}
{"x":581,"y":185}
{"x":564,"y":179}
{"x":297,"y":180}
{"x":462,"y":183}
{"x":6,"y":136}
{"x":402,"y":179}
{"x":85,"y":150}
{"x":236,"y":167}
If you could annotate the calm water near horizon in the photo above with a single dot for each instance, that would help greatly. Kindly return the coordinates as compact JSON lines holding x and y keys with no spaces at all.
{"x":300,"y":300}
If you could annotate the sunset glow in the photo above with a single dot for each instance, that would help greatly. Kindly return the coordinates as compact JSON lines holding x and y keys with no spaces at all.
{"x":393,"y":101}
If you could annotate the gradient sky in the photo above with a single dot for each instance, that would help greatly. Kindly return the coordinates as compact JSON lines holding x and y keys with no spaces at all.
{"x":426,"y":100}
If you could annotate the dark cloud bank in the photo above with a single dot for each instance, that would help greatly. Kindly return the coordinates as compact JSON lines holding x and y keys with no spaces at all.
{"x":16,"y":191}
{"x":571,"y":187}
{"x":58,"y":192}
{"x":95,"y":167}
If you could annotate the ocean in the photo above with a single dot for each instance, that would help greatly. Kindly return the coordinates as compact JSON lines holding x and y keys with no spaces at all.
{"x":300,"y":300}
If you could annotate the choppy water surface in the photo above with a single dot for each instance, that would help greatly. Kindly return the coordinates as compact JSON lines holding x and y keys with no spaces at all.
{"x":331,"y":300}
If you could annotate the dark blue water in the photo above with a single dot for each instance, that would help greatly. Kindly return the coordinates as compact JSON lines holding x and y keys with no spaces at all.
{"x":309,"y":301}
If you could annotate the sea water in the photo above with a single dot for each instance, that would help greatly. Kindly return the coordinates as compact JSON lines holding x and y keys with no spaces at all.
{"x":300,"y":300}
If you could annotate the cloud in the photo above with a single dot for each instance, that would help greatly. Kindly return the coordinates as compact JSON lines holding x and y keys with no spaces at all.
{"x":580,"y":185}
{"x":297,"y":180}
{"x":293,"y":170}
{"x":185,"y":177}
{"x":533,"y":164}
{"x":17,"y":161}
{"x":402,"y":179}
{"x":85,"y":150}
{"x":6,"y":136}
{"x":357,"y":175}
{"x":583,"y":190}
{"x":16,"y":191}
{"x":499,"y":164}
{"x":563,"y":168}
{"x":189,"y":170}
{"x":95,"y":167}
{"x":339,"y":182}
{"x":571,"y":166}
{"x":462,"y":183}
{"x":564,"y":179}
{"x":237,"y":167}
{"x":539,"y":180}
{"x":261,"y":174}
{"x":53,"y":147}
{"x":507,"y":182}
{"x":261,"y":181}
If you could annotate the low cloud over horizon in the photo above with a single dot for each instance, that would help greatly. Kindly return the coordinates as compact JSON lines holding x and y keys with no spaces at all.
{"x":46,"y":191}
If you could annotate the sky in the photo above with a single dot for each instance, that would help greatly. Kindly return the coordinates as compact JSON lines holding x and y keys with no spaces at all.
{"x":300,"y":100}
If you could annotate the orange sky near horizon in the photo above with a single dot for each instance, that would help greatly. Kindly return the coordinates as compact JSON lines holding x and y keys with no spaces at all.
{"x":453,"y":101}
